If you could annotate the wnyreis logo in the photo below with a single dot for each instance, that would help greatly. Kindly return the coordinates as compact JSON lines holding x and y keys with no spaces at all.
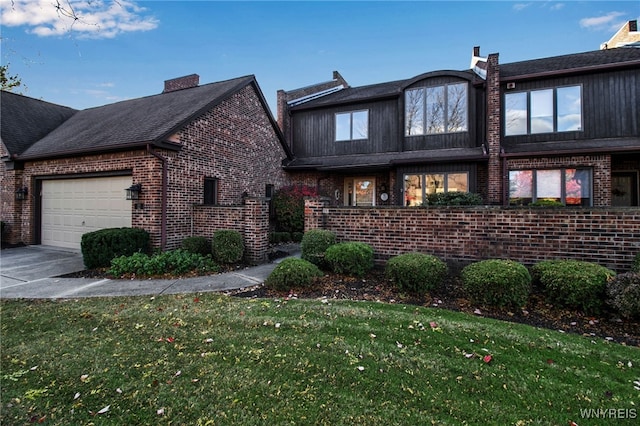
{"x":609,"y":413}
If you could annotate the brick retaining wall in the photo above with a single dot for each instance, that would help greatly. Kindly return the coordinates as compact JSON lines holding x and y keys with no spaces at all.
{"x":610,"y":237}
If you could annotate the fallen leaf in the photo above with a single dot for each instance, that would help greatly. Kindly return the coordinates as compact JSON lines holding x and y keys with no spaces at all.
{"x":160,"y":412}
{"x":487,"y":359}
{"x":76,"y":396}
{"x":104,"y":410}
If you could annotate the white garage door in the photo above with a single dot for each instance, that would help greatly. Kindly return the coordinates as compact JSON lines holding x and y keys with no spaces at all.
{"x":72,"y":207}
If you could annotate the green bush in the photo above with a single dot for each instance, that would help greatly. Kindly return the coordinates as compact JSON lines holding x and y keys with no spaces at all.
{"x":314,"y":243}
{"x":288,"y":205}
{"x":175,"y":262}
{"x":198,"y":245}
{"x":453,"y":198}
{"x":227,"y":246}
{"x":350,"y":258}
{"x":546,"y":203}
{"x":623,"y":294}
{"x":100,"y":247}
{"x":416,"y":272}
{"x":296,"y":237}
{"x":292,"y":272}
{"x":573,"y":283}
{"x":497,"y":282}
{"x":635,"y":266}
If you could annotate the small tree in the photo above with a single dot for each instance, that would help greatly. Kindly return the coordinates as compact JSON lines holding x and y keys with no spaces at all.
{"x":288,"y":204}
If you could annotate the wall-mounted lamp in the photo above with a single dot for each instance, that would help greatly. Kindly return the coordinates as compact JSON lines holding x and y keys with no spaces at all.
{"x":21,"y":193}
{"x":133,"y":192}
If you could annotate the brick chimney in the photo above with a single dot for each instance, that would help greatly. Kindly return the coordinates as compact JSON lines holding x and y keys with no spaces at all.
{"x":186,"y":82}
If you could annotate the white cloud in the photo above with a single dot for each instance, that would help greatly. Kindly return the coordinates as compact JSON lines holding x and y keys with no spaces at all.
{"x":557,"y":6}
{"x":520,"y":6}
{"x":609,"y":22}
{"x":85,"y":18}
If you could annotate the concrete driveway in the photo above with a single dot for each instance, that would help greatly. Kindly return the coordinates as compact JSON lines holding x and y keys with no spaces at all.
{"x":32,"y":263}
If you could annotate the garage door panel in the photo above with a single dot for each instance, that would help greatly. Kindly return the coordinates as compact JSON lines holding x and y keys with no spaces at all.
{"x":73,"y":207}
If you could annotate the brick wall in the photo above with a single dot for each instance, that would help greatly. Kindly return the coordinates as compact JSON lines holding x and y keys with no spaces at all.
{"x":610,"y":237}
{"x":495,"y":173}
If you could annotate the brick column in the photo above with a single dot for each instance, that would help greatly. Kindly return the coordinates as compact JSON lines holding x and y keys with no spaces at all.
{"x":313,"y":216}
{"x":495,"y":176}
{"x":256,"y":229}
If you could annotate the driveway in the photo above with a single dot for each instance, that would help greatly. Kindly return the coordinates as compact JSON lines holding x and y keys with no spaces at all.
{"x":32,"y":263}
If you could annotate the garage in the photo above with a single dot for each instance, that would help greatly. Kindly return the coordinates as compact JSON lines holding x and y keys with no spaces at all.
{"x":73,"y":207}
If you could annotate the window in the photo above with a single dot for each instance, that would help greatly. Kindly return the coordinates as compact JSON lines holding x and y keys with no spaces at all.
{"x":417,"y":187}
{"x":352,"y":125}
{"x":360,"y":191}
{"x":571,"y":187}
{"x":438,"y":109}
{"x":210,"y":191}
{"x":543,"y":111}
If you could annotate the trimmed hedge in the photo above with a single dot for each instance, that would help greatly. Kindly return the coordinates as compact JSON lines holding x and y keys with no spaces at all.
{"x":623,"y":294}
{"x":314,"y":244}
{"x":497,"y":282}
{"x":416,"y":272}
{"x":198,"y":245}
{"x":292,"y":272}
{"x":350,"y":258}
{"x":175,"y":262}
{"x":635,"y":266}
{"x":227,"y":246}
{"x":100,"y":247}
{"x":453,"y":199}
{"x":573,"y":283}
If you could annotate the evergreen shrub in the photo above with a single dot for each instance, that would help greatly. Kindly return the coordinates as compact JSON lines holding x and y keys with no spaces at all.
{"x":227,"y":246}
{"x":497,"y":282}
{"x":198,"y":245}
{"x":416,"y":272}
{"x":314,"y":244}
{"x":623,"y":294}
{"x":350,"y":258}
{"x":100,"y":247}
{"x":292,"y":272}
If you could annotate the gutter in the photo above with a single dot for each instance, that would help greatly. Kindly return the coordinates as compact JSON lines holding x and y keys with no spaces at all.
{"x":163,"y":202}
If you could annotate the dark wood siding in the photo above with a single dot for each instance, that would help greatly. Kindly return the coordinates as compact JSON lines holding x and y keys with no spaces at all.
{"x":610,"y":107}
{"x":314,"y":130}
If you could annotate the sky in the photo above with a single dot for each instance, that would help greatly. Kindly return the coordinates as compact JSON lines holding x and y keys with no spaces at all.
{"x":89,"y":53}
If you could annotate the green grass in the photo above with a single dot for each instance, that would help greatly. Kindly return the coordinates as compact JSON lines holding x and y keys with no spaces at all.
{"x":216,"y":360}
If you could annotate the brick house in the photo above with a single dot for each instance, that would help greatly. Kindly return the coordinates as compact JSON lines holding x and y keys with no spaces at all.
{"x":563,"y":128}
{"x":201,"y":157}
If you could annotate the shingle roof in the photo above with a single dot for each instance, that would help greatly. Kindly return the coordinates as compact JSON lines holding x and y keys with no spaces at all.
{"x":24,"y":120}
{"x":134,"y":122}
{"x":577,"y":61}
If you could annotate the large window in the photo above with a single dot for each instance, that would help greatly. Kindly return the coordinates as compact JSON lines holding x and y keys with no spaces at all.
{"x":352,"y":125}
{"x":417,"y":187}
{"x":439,"y":109}
{"x":571,"y":187}
{"x":543,"y":111}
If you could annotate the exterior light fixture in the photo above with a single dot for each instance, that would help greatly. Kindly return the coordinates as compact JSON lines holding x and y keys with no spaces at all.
{"x":21,"y":193}
{"x":133,"y":192}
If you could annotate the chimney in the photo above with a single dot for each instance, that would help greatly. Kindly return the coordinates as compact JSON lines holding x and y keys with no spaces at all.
{"x":476,"y":50}
{"x":186,"y":82}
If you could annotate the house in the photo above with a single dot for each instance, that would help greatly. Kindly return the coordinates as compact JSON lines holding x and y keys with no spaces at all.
{"x":627,"y":35}
{"x":156,"y":163}
{"x":563,"y":128}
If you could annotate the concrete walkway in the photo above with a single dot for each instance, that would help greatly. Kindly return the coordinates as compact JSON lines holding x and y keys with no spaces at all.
{"x":33,"y":273}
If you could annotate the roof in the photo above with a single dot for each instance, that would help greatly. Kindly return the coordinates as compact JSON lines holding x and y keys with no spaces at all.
{"x":604,"y":59}
{"x":137,"y":122}
{"x":24,"y":120}
{"x":386,"y":159}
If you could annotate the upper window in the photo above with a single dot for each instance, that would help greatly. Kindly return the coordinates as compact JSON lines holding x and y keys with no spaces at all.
{"x":352,"y":125}
{"x":543,"y":111}
{"x":438,"y":109}
{"x":567,"y":186}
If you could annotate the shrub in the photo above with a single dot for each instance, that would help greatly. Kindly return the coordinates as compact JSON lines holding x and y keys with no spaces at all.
{"x":635,"y":266}
{"x":292,"y":272}
{"x":546,"y":203}
{"x":416,"y":272}
{"x":176,"y":262}
{"x":350,"y":258}
{"x":296,"y":237}
{"x":573,"y":283}
{"x":227,"y":246}
{"x":314,"y":243}
{"x":288,"y":205}
{"x":623,"y":294}
{"x":497,"y":282}
{"x":100,"y":247}
{"x":198,"y":245}
{"x":453,"y":199}
{"x":279,"y":237}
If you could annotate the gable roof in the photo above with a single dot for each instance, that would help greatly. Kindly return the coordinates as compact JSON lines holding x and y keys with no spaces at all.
{"x":25,"y":120}
{"x":576,"y":62}
{"x":138,"y":122}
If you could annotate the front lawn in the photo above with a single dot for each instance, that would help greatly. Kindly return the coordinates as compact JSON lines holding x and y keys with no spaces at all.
{"x":211,"y":359}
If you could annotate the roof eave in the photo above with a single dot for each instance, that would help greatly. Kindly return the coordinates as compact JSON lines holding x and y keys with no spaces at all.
{"x":579,"y":70}
{"x":101,"y":150}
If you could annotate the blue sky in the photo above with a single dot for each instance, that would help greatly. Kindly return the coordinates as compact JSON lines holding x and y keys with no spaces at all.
{"x":125,"y":49}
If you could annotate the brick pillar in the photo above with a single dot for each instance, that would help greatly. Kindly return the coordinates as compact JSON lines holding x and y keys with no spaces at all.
{"x":256,"y":229}
{"x":313,"y":216}
{"x":495,"y":190}
{"x":12,"y":210}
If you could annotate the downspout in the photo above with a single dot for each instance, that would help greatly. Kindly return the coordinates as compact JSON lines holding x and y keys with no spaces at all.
{"x":163,"y":202}
{"x":505,"y":178}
